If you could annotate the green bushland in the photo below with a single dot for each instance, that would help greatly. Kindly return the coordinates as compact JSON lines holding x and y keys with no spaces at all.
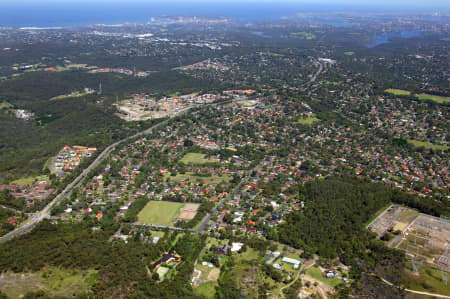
{"x":121,"y":267}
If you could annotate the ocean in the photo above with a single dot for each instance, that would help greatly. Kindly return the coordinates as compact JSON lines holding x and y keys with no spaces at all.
{"x":64,"y":15}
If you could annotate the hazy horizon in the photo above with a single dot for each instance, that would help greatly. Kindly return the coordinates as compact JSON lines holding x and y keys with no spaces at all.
{"x":21,"y":13}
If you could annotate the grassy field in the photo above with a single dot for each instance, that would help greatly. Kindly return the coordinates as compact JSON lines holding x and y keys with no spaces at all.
{"x":275,"y":54}
{"x":160,"y":212}
{"x":206,"y":273}
{"x":315,"y":273}
{"x":429,"y":280}
{"x":309,"y":120}
{"x":422,"y":96}
{"x":427,"y":145}
{"x":437,"y":99}
{"x":30,"y":180}
{"x":54,"y":281}
{"x":349,"y":53}
{"x":196,"y":158}
{"x":398,"y":92}
{"x":75,"y":94}
{"x":207,"y":289}
{"x":250,"y":255}
{"x":190,"y":176}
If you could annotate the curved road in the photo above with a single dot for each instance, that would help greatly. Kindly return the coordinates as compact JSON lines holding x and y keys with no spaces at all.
{"x":45,"y":213}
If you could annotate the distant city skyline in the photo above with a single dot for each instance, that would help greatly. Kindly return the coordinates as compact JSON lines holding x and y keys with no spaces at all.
{"x":52,"y":13}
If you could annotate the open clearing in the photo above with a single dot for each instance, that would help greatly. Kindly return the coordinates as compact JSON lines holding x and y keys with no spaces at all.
{"x":398,"y":92}
{"x":196,"y":158}
{"x":190,"y":176}
{"x":157,"y":233}
{"x":30,"y":180}
{"x":437,"y":99}
{"x":427,"y":145}
{"x":206,"y":289}
{"x":75,"y":94}
{"x":308,"y":120}
{"x":428,"y":280}
{"x":315,"y":273}
{"x":207,"y":274}
{"x":160,"y":212}
{"x":55,"y":281}
{"x":421,"y":96}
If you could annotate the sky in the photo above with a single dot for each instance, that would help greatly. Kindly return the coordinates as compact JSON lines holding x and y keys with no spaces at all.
{"x":379,"y":3}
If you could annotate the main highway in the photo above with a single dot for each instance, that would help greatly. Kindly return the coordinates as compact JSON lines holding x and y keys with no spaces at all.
{"x":45,"y":212}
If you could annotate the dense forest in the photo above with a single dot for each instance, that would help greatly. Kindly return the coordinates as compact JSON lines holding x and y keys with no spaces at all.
{"x":332,"y":224}
{"x":87,"y":120}
{"x":335,"y":212}
{"x":122,"y":267}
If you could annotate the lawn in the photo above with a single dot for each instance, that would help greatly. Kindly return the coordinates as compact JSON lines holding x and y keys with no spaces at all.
{"x":30,"y":180}
{"x":206,"y":289}
{"x":160,"y":212}
{"x":315,"y":273}
{"x":57,"y":282}
{"x":249,"y":255}
{"x":426,"y":145}
{"x":437,"y":99}
{"x":196,"y":158}
{"x":349,"y":53}
{"x":422,"y":96}
{"x":398,"y":92}
{"x":309,"y":120}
